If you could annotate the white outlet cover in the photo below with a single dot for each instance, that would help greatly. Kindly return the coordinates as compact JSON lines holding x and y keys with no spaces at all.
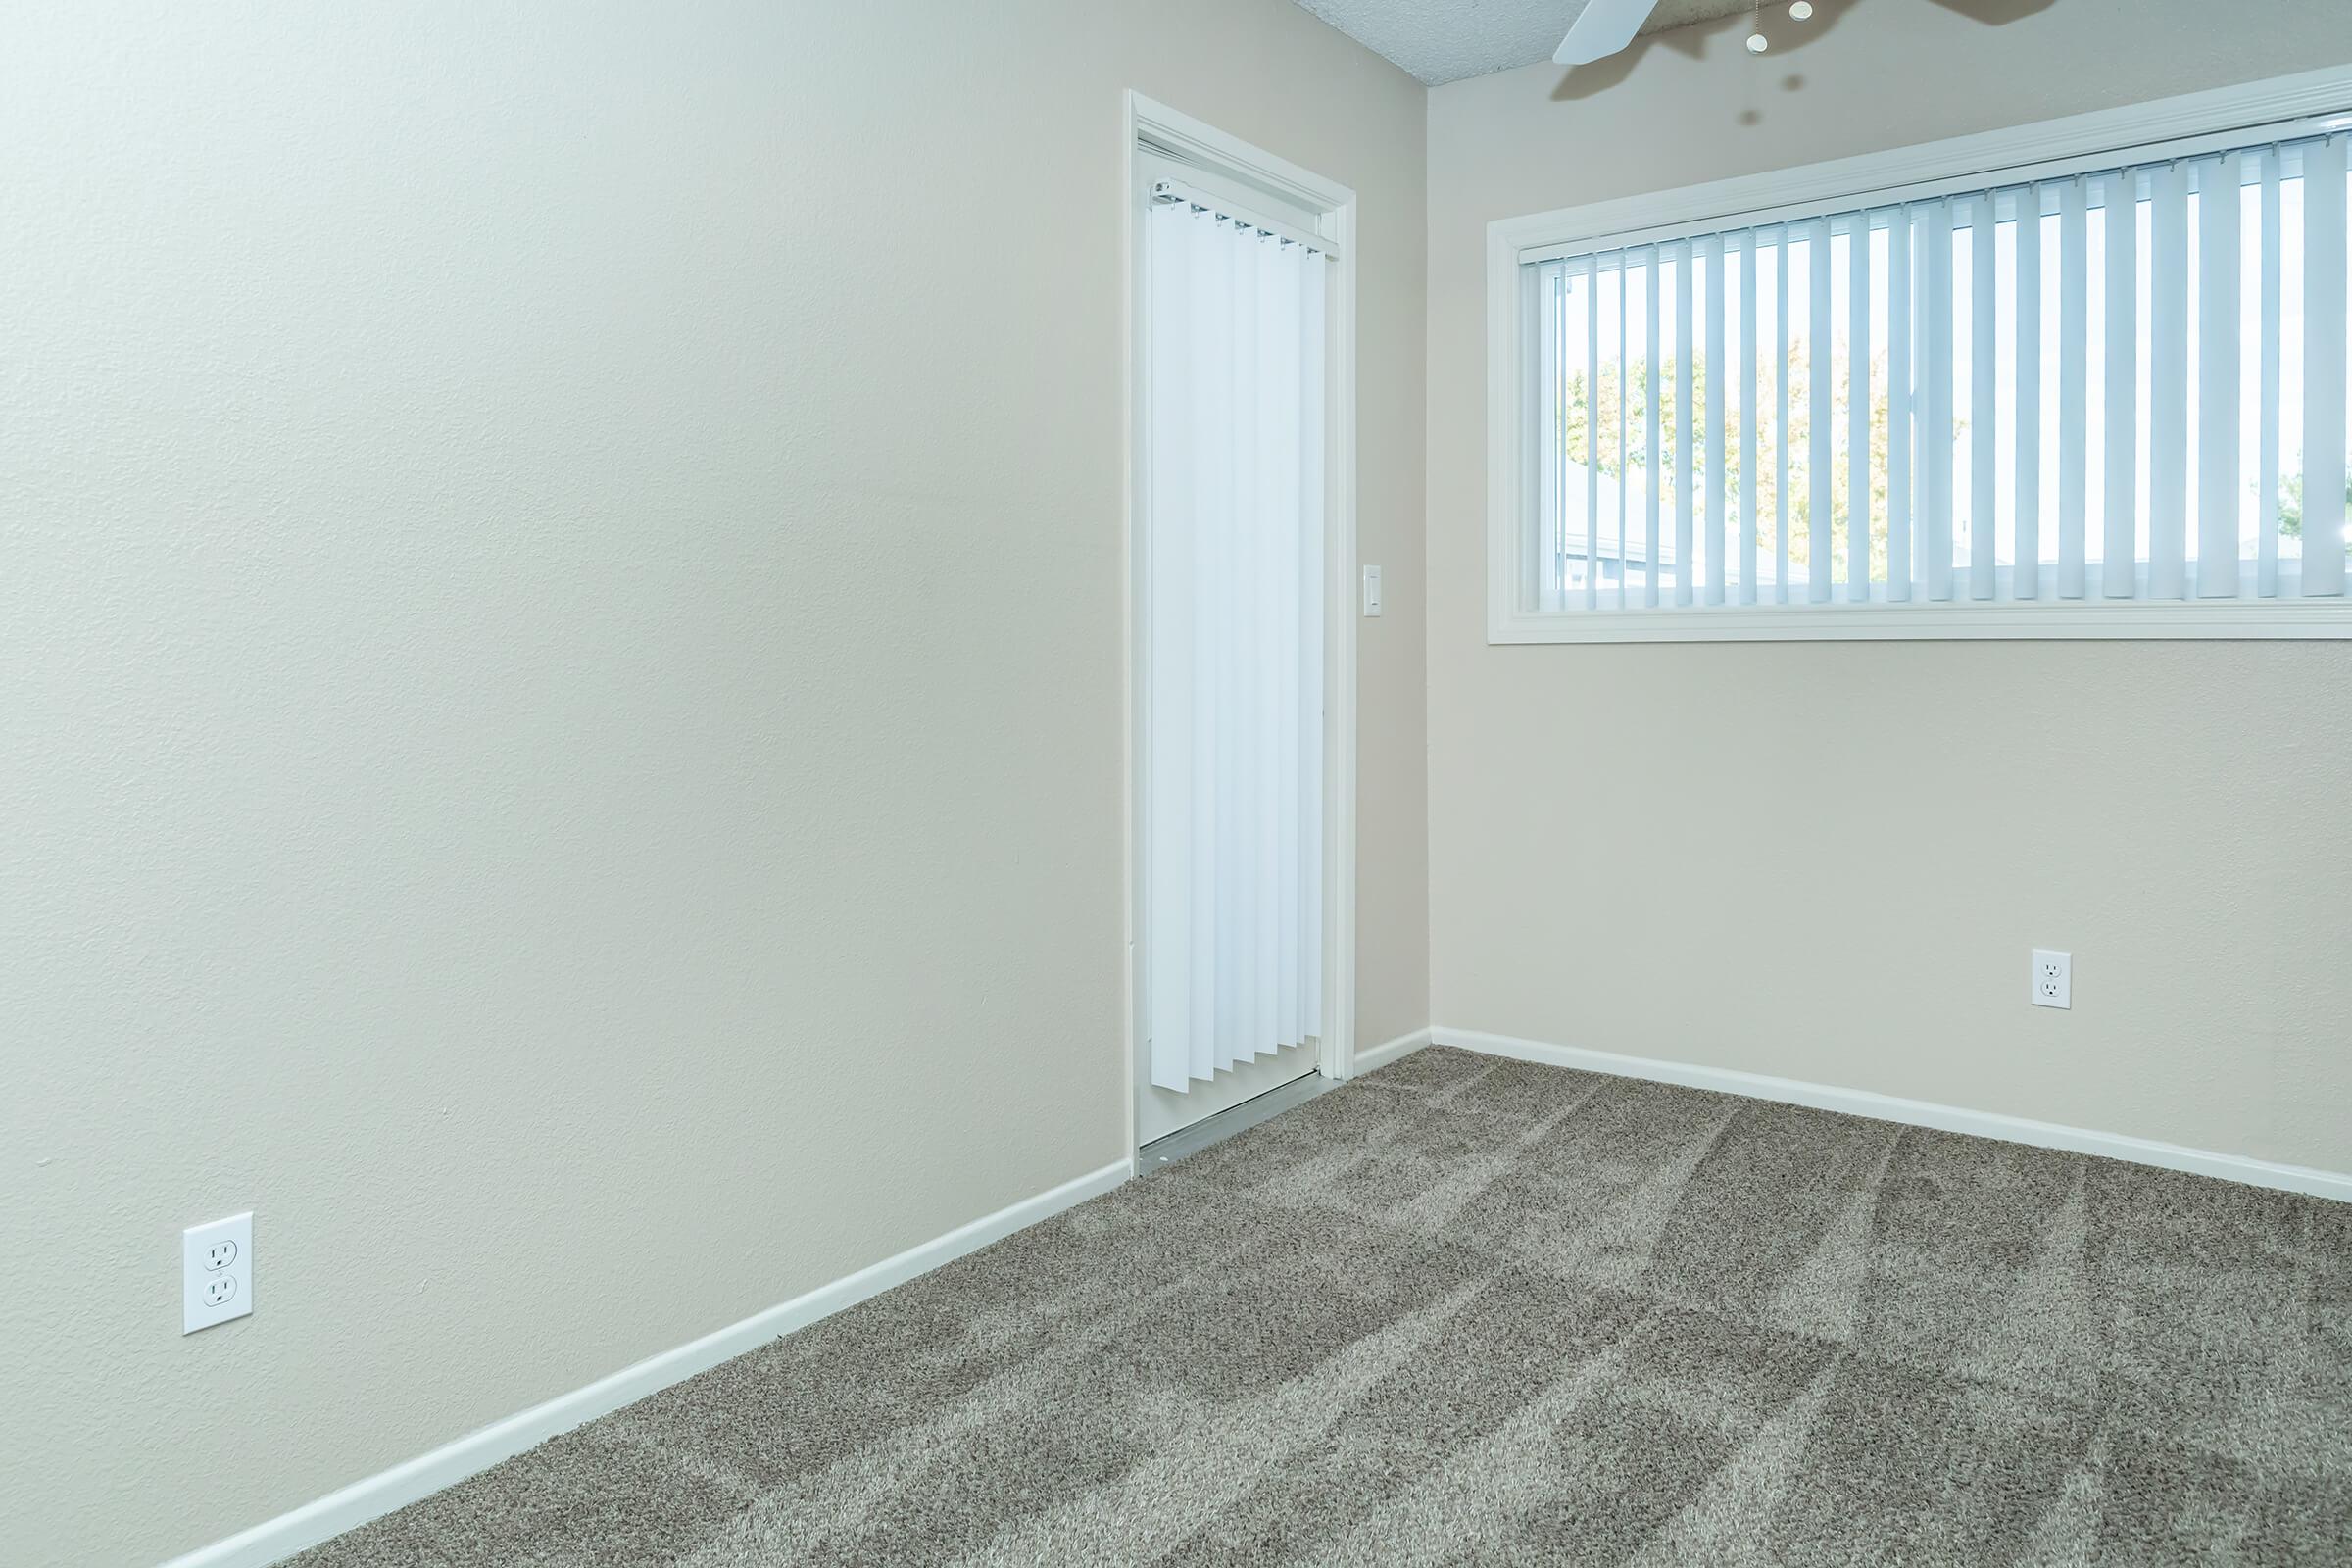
{"x":215,"y":1272}
{"x":2052,"y":981}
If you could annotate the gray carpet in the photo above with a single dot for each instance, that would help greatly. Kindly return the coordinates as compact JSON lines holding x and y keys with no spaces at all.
{"x":1469,"y":1310}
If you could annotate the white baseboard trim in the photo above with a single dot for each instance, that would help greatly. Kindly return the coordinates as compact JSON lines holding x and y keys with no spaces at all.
{"x":1912,"y":1112}
{"x":381,"y":1493}
{"x":1388,"y":1051}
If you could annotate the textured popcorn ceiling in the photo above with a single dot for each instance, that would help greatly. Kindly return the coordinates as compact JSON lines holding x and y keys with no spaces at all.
{"x":1444,"y":40}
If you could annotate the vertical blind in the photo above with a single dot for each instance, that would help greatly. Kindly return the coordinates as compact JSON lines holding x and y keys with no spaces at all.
{"x":2113,"y":385}
{"x":1234,"y":495}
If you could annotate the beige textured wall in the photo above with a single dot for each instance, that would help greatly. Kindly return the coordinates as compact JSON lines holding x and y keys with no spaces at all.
{"x":560,"y":630}
{"x":1828,"y":862}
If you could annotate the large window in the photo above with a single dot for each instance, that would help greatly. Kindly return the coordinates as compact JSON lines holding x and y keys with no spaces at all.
{"x":1994,"y":402}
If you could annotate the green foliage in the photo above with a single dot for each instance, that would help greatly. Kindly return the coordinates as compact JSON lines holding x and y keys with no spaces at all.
{"x":1577,"y":410}
{"x":2291,"y":507}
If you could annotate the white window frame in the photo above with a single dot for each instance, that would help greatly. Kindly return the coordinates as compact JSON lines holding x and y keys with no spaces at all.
{"x":2058,"y":146}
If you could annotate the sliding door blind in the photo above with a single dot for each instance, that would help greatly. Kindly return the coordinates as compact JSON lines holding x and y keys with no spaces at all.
{"x":1232,"y":612}
{"x":2123,"y":384}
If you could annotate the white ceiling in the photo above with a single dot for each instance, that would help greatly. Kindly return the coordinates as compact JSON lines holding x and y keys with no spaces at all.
{"x":1444,"y":40}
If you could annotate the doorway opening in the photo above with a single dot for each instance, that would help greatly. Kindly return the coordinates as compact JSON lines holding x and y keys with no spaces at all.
{"x":1240,"y":632}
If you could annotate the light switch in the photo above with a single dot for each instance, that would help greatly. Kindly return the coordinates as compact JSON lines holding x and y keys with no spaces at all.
{"x":1371,"y":590}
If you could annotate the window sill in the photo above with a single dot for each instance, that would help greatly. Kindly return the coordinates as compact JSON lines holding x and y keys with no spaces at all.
{"x":1961,"y":620}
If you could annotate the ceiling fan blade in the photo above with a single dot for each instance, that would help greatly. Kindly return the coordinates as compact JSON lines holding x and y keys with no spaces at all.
{"x":1601,"y":29}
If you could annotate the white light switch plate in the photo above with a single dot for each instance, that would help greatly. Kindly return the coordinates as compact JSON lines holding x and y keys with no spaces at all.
{"x":1371,"y":590}
{"x":215,"y":1272}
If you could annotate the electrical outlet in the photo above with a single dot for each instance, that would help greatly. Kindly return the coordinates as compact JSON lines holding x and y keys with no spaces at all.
{"x":2053,"y":978}
{"x":215,"y":1272}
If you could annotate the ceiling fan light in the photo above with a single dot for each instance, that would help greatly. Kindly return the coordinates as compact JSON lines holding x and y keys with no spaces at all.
{"x":1800,"y":10}
{"x":1757,"y":43}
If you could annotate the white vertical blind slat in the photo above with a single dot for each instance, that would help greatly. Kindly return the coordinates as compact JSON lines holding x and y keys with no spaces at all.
{"x":1936,"y":426}
{"x":1237,"y":757}
{"x":2266,"y":460}
{"x":2119,"y":540}
{"x":2027,"y":575}
{"x":1652,"y":469}
{"x":1277,"y":407}
{"x":1246,"y":842}
{"x":1313,"y":516}
{"x":2324,"y":324}
{"x":2219,"y":303}
{"x":1534,"y":305}
{"x":1286,"y":705}
{"x":1747,"y":419}
{"x":1684,"y":582}
{"x":1593,"y":434}
{"x":1820,"y":437}
{"x":1214,"y":966}
{"x":1716,"y":401}
{"x":1244,"y":557}
{"x":1625,"y":467}
{"x":2168,"y":384}
{"x":1279,"y":377}
{"x":2073,"y":386}
{"x":1901,"y":405}
{"x":1857,"y":413}
{"x":1983,"y":529}
{"x":1168,"y":621}
{"x":1555,"y":565}
{"x":1780,"y":423}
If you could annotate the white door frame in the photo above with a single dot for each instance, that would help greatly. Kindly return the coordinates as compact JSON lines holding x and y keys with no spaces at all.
{"x":1168,"y":130}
